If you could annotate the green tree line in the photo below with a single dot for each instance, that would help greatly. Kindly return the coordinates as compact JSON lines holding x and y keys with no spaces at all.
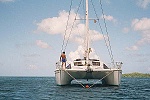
{"x":136,"y":74}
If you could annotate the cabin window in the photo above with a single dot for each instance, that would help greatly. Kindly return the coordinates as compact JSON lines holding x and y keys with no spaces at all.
{"x":96,"y":63}
{"x":78,"y":64}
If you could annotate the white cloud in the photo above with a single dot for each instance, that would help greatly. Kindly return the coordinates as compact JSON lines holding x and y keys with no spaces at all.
{"x":79,"y":53}
{"x":145,"y":38}
{"x":76,"y":54}
{"x":141,"y":26}
{"x":57,"y":25}
{"x":126,"y":30}
{"x":7,"y":0}
{"x":143,"y":3}
{"x":95,"y":35}
{"x":132,"y":48}
{"x":42,"y":44}
{"x":109,"y":18}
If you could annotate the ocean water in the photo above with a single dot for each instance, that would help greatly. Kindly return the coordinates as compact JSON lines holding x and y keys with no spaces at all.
{"x":45,"y":88}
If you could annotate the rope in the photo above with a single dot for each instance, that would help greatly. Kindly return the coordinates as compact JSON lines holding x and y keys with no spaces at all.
{"x":107,"y":33}
{"x":101,"y":79}
{"x":72,"y":26}
{"x":101,"y":29}
{"x":108,"y":47}
{"x":67,"y":25}
{"x":92,"y":84}
{"x":74,"y":79}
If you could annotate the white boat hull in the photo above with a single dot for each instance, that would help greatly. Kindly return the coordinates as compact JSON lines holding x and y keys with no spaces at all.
{"x":88,"y":67}
{"x":108,"y":76}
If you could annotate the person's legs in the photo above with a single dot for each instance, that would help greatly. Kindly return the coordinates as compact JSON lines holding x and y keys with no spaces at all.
{"x":63,"y":63}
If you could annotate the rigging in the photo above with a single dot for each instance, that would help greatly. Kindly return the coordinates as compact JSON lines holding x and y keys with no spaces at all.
{"x":108,"y":46}
{"x":66,"y":26}
{"x":107,"y":40}
{"x":64,"y":47}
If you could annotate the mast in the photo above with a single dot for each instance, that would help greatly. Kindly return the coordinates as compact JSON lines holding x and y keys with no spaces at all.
{"x":87,"y":51}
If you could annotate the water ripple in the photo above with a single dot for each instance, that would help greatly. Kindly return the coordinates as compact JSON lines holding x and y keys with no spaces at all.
{"x":44,"y":88}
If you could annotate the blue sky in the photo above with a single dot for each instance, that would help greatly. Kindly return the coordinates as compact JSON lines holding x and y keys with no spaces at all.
{"x":31,"y":34}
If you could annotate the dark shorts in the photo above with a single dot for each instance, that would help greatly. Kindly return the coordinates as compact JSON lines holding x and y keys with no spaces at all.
{"x":63,"y":60}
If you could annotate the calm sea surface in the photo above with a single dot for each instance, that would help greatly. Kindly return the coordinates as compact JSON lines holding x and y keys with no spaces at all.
{"x":44,"y":88}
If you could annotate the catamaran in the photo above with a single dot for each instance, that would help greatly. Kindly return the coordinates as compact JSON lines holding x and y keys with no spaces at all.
{"x":87,"y":68}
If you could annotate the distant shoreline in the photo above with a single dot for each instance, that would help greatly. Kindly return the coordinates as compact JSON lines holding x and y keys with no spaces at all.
{"x":136,"y":74}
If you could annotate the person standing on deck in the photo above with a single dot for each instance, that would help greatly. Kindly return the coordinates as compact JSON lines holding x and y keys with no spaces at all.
{"x":63,"y":60}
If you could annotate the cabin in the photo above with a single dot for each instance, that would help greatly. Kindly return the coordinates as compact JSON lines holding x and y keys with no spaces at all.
{"x":92,"y":62}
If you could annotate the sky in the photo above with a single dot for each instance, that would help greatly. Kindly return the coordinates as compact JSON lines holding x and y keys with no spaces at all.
{"x":32,"y":34}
